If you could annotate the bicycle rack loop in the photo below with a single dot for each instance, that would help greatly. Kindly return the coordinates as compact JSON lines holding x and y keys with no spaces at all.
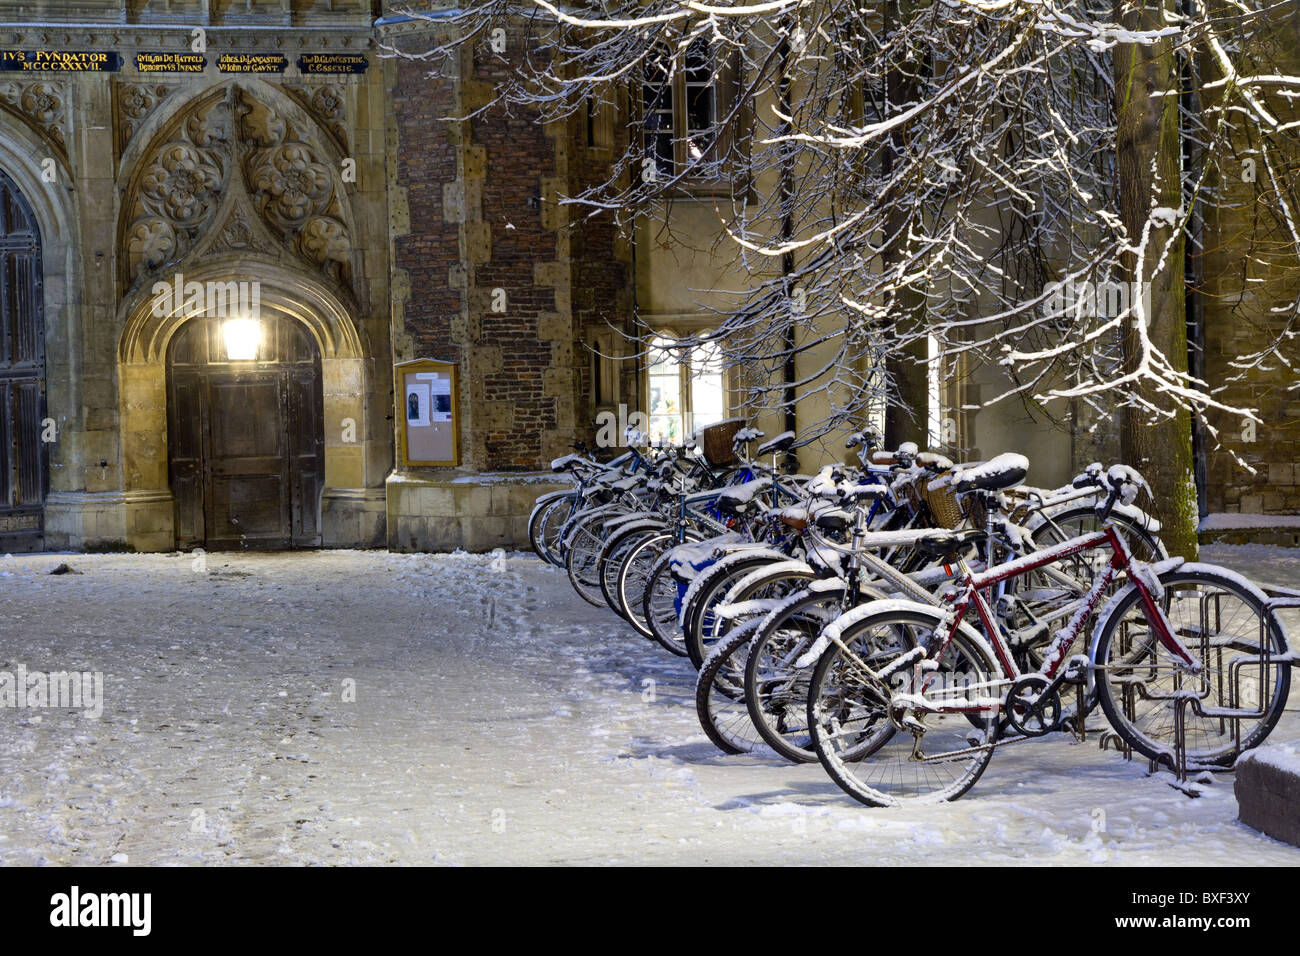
{"x":1257,"y":668}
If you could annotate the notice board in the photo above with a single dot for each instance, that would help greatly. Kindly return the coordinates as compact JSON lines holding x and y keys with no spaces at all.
{"x":427,"y":410}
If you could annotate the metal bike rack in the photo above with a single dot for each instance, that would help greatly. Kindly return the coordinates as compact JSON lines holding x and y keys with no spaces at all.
{"x":1187,"y":699}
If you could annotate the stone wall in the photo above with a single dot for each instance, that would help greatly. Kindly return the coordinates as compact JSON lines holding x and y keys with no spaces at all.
{"x":1252,"y":283}
{"x":487,"y":264}
{"x":105,"y":240}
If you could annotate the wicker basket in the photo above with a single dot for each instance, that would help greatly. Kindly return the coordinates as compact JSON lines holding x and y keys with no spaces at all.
{"x":716,"y":442}
{"x":944,"y":506}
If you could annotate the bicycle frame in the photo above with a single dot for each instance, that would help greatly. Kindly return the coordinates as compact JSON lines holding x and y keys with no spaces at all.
{"x":959,"y":601}
{"x":1121,"y":561}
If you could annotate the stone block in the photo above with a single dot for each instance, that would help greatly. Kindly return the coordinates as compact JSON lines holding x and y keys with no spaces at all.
{"x":1281,"y":474}
{"x":550,"y":273}
{"x":1268,"y":793}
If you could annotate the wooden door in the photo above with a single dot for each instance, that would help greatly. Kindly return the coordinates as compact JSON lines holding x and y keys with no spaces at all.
{"x":245,"y":441}
{"x":23,"y":450}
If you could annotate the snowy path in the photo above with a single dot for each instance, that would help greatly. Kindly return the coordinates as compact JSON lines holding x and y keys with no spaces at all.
{"x":497,"y":719}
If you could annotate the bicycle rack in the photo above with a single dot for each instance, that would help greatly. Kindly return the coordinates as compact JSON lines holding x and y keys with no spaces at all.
{"x":1239,"y":707}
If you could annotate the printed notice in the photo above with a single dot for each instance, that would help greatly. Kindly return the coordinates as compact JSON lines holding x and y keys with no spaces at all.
{"x":169,"y":62}
{"x":252,"y":62}
{"x":60,"y":61}
{"x":333,"y":63}
{"x":417,"y":404}
{"x":441,"y":398}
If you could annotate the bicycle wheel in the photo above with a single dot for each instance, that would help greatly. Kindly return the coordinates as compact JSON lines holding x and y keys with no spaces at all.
{"x":550,"y":523}
{"x":720,"y":694}
{"x":581,"y":561}
{"x":659,"y":607}
{"x":702,"y":627}
{"x":776,"y":690}
{"x":611,"y":560}
{"x":634,"y":577}
{"x":1219,"y":618}
{"x":1072,"y":522}
{"x":545,"y":505}
{"x":856,"y":735}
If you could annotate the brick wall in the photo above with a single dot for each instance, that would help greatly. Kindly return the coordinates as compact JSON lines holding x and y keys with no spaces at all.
{"x":518,"y":154}
{"x":424,"y":158}
{"x":1250,"y":271}
{"x":484,"y":215}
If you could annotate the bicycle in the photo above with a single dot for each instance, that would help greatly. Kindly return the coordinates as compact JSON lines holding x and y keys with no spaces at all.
{"x":909,"y":701}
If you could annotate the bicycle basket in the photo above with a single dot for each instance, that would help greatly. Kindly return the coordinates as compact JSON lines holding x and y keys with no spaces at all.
{"x":944,"y":506}
{"x":716,"y":442}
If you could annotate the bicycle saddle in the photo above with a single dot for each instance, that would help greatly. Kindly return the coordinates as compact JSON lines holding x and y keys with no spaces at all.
{"x":782,"y":442}
{"x":1004,"y":471}
{"x":943,"y":544}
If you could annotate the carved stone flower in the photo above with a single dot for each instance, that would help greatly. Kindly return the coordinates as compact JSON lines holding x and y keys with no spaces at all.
{"x":294,"y":184}
{"x":42,"y":103}
{"x":181,"y":183}
{"x":136,"y":101}
{"x":326,"y":240}
{"x":150,"y":243}
{"x":328,"y":102}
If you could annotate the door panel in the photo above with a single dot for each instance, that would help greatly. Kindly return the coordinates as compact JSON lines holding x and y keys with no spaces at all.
{"x":23,"y":455}
{"x":248,"y":511}
{"x":249,"y":501}
{"x":307,"y":457}
{"x":185,"y":444}
{"x":245,"y":445}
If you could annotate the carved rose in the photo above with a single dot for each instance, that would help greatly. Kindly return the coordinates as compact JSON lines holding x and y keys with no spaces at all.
{"x":42,"y":103}
{"x":181,"y":183}
{"x":294,"y":184}
{"x":328,"y":102}
{"x":136,"y":102}
{"x":326,"y":240}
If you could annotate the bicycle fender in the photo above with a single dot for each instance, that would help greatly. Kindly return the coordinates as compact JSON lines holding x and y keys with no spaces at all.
{"x":1159,"y":567}
{"x":833,"y":632}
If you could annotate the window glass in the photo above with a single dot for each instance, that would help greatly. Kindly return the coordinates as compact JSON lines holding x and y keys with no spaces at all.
{"x":701,"y":101}
{"x":667,"y":417}
{"x":657,"y":100}
{"x":708,"y":404}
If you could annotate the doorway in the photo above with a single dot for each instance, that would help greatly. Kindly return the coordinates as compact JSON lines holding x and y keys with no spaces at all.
{"x":245,"y":438}
{"x":24,"y":431}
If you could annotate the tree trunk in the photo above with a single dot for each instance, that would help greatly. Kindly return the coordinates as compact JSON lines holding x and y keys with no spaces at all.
{"x":907,"y":410}
{"x":1149,"y":139}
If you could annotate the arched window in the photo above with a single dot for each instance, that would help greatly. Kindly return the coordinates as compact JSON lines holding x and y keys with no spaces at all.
{"x":686,"y":389}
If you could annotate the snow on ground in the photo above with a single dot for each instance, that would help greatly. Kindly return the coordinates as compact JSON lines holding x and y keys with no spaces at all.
{"x":497,"y":719}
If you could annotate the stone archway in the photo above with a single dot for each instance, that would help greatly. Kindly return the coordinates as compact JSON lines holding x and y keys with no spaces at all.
{"x":24,"y":140}
{"x":142,"y":376}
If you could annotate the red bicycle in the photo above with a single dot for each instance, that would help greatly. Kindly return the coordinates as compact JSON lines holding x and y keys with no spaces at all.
{"x":909,"y":701}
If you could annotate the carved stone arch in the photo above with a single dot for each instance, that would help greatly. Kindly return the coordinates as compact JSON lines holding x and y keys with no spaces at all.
{"x":174,"y":188}
{"x":142,"y":361}
{"x":292,"y":171}
{"x":184,"y":173}
{"x":42,"y":106}
{"x":306,"y":299}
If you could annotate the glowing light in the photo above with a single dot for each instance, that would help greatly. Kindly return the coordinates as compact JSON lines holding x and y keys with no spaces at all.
{"x":243,"y":337}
